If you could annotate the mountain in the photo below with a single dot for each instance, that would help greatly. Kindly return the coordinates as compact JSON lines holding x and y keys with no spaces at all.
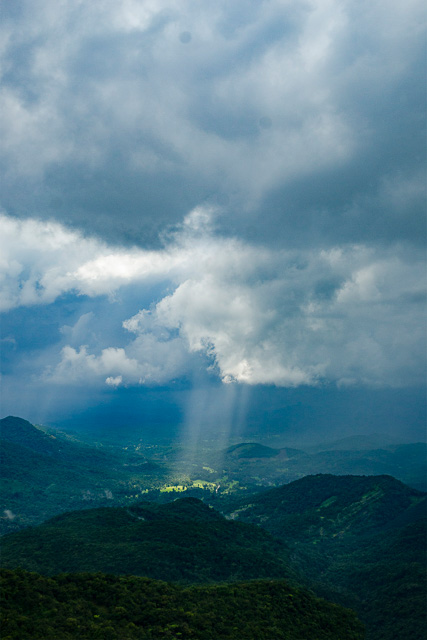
{"x":357,"y":443}
{"x":358,"y":540}
{"x":251,"y":450}
{"x":327,"y":506}
{"x":182,"y":541}
{"x":21,"y":432}
{"x":406,"y":462}
{"x":254,"y":465}
{"x":130,"y":608}
{"x":42,"y":475}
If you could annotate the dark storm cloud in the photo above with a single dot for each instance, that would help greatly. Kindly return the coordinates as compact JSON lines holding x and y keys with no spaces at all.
{"x":112,"y":124}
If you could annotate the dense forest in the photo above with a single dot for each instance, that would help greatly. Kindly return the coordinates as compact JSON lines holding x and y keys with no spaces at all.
{"x":107,"y":607}
{"x":46,"y":472}
{"x":356,"y":540}
{"x":183,"y":541}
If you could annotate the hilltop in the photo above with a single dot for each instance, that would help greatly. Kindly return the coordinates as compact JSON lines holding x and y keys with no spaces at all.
{"x":43,"y":474}
{"x":358,"y":540}
{"x":326,"y":506}
{"x":183,"y":541}
{"x":251,"y":450}
{"x":252,"y":464}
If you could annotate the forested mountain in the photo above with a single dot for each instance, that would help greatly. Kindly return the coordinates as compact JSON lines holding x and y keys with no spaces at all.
{"x":44,"y":472}
{"x":97,"y":606}
{"x":250,"y":462}
{"x":329,"y":506}
{"x":42,"y":475}
{"x":251,"y":450}
{"x":183,"y":541}
{"x":357,"y":540}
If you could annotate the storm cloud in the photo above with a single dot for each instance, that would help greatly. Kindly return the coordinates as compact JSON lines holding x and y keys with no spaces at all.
{"x":291,"y":114}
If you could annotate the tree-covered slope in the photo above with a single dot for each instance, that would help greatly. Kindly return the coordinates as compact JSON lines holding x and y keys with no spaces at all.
{"x":21,"y":432}
{"x":42,"y":475}
{"x":129,"y":608}
{"x":251,"y":464}
{"x":357,"y":540}
{"x":325,"y":506}
{"x":407,"y":462}
{"x":183,"y":541}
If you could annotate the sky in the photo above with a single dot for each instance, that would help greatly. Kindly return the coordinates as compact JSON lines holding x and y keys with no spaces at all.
{"x":212,"y":216}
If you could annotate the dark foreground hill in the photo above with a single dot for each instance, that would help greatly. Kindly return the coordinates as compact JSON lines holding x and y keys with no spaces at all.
{"x":182,"y":541}
{"x":129,"y":608}
{"x":358,"y":540}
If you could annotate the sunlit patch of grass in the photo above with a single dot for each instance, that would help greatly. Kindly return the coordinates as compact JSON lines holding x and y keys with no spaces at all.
{"x":176,"y":487}
{"x":203,"y":484}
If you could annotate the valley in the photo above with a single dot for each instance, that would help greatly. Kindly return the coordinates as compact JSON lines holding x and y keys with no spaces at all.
{"x":206,"y":517}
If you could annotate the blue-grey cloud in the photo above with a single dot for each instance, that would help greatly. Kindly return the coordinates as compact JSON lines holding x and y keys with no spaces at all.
{"x":114,"y":124}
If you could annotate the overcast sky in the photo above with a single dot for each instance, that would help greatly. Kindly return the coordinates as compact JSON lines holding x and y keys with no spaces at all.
{"x":213,"y":214}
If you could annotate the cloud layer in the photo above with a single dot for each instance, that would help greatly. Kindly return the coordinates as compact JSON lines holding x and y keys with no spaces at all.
{"x":294,"y":134}
{"x":121,"y":117}
{"x":348,"y":315}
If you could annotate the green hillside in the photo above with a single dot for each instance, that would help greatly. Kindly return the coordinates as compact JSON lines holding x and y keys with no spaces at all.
{"x":406,"y":462}
{"x":182,"y":541}
{"x":359,"y":541}
{"x":327,"y":506}
{"x":42,"y":475}
{"x":130,"y":608}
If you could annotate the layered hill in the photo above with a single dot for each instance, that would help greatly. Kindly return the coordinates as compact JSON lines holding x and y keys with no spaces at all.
{"x":117,"y":608}
{"x":330,"y":506}
{"x":357,"y":540}
{"x":42,"y":475}
{"x":251,"y":450}
{"x":252,"y":463}
{"x":182,"y":541}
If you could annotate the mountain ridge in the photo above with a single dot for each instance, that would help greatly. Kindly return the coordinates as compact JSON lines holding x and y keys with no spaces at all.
{"x":357,"y":540}
{"x":184,"y":540}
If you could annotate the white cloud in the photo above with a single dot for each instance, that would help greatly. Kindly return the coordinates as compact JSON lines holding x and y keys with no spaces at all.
{"x":114,"y":382}
{"x":348,"y":314}
{"x":339,"y":315}
{"x":145,"y":361}
{"x":42,"y":260}
{"x":78,"y":365}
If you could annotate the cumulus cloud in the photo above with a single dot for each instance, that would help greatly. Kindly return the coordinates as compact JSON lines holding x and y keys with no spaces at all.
{"x":114,"y":382}
{"x":344,"y":315}
{"x":145,"y":361}
{"x":349,"y":315}
{"x":43,"y":260}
